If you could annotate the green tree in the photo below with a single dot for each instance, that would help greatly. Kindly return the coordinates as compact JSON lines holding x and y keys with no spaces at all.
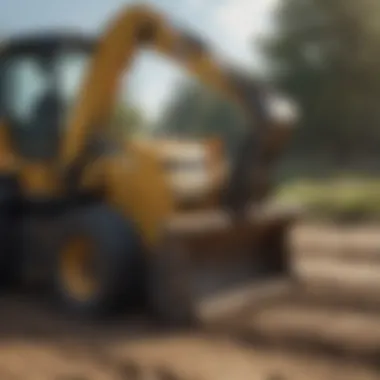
{"x":326,"y":54}
{"x":127,"y":120}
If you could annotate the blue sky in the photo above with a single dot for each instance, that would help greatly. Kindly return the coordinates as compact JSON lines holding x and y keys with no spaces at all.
{"x":230,"y":27}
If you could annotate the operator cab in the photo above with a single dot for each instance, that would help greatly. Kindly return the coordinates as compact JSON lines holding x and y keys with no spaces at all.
{"x":40,"y":79}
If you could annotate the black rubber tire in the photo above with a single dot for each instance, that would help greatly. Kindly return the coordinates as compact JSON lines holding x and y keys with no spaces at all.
{"x":118,"y":253}
{"x":7,"y":259}
{"x":9,"y":252}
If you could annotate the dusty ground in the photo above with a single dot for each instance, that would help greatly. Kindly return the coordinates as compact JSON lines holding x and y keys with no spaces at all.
{"x":37,"y":344}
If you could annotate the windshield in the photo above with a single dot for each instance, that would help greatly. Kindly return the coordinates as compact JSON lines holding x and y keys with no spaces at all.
{"x":30,"y":78}
{"x":39,"y":92}
{"x":25,"y":82}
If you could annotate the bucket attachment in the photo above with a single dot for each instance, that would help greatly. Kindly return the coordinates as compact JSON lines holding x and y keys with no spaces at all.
{"x":212,"y":267}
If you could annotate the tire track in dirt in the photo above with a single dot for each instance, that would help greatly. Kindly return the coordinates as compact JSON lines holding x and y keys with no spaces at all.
{"x":335,"y":308}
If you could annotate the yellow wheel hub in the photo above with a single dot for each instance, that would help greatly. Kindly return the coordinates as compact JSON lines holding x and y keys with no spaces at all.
{"x":77,"y":268}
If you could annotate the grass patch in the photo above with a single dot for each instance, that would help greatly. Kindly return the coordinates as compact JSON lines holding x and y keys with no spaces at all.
{"x":342,"y":199}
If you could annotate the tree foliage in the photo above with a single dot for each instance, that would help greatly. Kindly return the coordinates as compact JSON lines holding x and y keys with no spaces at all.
{"x":326,"y":54}
{"x":127,"y":120}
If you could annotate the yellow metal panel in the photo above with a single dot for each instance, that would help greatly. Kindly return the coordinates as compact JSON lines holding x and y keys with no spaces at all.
{"x":39,"y":179}
{"x":94,"y":174}
{"x":7,"y":157}
{"x":36,"y":178}
{"x":135,"y":184}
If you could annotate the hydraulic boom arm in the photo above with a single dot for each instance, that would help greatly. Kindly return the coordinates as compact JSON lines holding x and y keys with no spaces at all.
{"x":139,"y":27}
{"x":133,"y":29}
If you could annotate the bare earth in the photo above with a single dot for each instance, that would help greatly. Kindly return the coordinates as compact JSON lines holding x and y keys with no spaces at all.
{"x":37,"y":344}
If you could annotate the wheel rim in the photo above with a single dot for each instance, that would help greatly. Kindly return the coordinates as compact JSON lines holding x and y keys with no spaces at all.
{"x":77,"y":267}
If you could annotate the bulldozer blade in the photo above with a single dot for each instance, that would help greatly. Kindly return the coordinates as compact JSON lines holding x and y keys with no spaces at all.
{"x":212,"y":267}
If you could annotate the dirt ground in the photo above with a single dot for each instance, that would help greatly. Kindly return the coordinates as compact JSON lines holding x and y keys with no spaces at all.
{"x":36,"y":343}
